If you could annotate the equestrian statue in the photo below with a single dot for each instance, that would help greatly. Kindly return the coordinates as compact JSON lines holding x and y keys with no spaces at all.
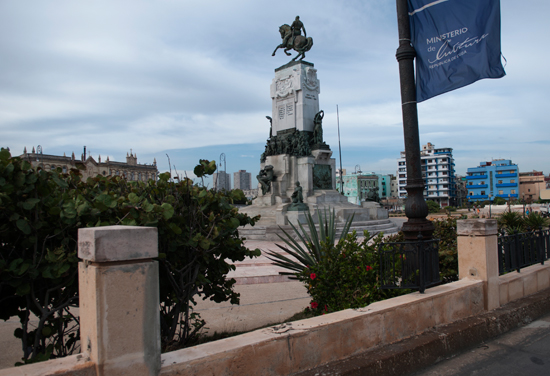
{"x":294,"y":40}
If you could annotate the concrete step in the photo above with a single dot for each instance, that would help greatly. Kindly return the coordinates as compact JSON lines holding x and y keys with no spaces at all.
{"x":269,"y":233}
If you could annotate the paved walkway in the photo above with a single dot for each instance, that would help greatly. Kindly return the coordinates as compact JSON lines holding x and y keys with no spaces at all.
{"x":524,"y":351}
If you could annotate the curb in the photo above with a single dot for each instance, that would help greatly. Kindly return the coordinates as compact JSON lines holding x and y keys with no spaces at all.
{"x":415,"y":353}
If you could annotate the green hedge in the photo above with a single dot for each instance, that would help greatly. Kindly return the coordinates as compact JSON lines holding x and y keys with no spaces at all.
{"x":40,"y":213}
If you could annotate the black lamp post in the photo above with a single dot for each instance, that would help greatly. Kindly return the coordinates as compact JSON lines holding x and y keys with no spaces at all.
{"x":415,"y":207}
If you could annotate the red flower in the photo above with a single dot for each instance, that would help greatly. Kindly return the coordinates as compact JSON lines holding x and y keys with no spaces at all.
{"x":314,"y":305}
{"x":313,"y":276}
{"x":326,"y":308}
{"x":369,"y":268}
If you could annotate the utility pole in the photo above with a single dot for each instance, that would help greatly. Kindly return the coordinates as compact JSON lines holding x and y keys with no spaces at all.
{"x":340,"y":152}
{"x":415,"y":207}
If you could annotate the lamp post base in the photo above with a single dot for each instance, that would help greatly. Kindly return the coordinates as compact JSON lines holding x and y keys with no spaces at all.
{"x":415,"y":226}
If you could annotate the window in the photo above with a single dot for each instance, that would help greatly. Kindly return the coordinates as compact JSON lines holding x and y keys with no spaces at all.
{"x":512,"y":171}
{"x":529,"y":190}
{"x":64,"y":169}
{"x":499,"y":172}
{"x":482,"y":192}
{"x":471,"y":193}
{"x":512,"y":181}
{"x":471,"y":183}
{"x":482,"y":182}
{"x":499,"y":182}
{"x":513,"y":191}
{"x":500,"y":192}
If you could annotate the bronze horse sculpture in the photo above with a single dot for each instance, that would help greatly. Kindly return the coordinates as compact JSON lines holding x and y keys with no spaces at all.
{"x":298,"y":43}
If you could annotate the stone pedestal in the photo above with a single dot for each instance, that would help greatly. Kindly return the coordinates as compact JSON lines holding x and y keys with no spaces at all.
{"x":119,"y":299}
{"x":478,"y":256}
{"x":297,"y":152}
{"x":295,"y":97}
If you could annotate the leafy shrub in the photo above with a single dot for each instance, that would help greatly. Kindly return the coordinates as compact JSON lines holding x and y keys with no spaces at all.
{"x":347,"y":276}
{"x":338,"y":274}
{"x":433,"y":207}
{"x":499,"y":201}
{"x":40,"y":213}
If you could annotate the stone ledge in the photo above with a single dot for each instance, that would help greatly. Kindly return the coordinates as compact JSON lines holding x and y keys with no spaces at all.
{"x":73,"y":365}
{"x":412,"y":354}
{"x":324,"y":339}
{"x":476,"y":227}
{"x":117,"y":243}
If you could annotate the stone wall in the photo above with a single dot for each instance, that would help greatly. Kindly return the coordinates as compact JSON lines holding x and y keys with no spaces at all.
{"x":115,"y":342}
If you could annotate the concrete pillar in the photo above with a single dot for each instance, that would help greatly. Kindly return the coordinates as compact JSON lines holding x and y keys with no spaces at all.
{"x":119,"y":299}
{"x":478,"y":257}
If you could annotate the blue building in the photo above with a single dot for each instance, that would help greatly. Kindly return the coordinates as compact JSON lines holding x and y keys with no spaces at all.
{"x":498,"y":178}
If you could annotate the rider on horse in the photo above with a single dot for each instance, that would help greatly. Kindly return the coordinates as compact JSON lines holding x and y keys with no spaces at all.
{"x":293,"y":39}
{"x":295,"y":30}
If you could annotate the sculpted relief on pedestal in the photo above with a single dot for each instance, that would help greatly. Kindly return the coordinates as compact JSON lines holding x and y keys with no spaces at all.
{"x":284,"y":87}
{"x":310,"y":79}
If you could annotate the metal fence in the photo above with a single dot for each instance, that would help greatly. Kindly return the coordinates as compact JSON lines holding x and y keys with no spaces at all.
{"x":521,"y":250}
{"x":409,"y":265}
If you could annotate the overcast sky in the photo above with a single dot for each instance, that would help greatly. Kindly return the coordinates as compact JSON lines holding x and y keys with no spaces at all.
{"x":191,"y":79}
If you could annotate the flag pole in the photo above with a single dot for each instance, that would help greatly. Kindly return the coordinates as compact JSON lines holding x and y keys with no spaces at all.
{"x":416,"y":208}
{"x":340,"y":151}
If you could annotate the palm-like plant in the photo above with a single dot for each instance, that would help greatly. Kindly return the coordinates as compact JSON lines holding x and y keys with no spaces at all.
{"x":311,"y":247}
{"x":511,"y":222}
{"x":534,"y":221}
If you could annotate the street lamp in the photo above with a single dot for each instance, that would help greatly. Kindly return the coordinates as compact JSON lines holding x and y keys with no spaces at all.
{"x":416,"y":208}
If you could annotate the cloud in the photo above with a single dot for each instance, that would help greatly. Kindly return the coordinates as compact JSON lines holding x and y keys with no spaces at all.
{"x":186,"y":75}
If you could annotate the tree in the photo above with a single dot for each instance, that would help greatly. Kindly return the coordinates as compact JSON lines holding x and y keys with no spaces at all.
{"x":433,"y":207}
{"x":40,"y":213}
{"x":499,"y":201}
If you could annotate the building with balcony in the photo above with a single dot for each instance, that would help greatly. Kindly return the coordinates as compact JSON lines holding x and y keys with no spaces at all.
{"x":530,"y":185}
{"x":438,"y":172}
{"x":498,"y":178}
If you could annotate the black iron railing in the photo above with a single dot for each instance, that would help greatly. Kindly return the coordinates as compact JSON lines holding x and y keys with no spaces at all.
{"x":410,"y":265}
{"x":521,"y":250}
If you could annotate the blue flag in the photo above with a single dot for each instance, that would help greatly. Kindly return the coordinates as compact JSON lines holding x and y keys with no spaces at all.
{"x":457,"y":42}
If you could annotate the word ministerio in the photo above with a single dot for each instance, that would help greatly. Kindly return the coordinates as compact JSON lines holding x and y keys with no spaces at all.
{"x":448,"y":35}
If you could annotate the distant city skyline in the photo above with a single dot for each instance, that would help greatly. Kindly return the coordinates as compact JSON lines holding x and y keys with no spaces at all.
{"x":117,"y":78}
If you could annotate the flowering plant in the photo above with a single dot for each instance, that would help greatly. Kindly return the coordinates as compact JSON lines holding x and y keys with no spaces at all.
{"x":347,"y":276}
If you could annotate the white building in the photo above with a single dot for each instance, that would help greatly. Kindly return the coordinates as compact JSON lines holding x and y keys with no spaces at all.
{"x":222,"y":180}
{"x":438,"y":172}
